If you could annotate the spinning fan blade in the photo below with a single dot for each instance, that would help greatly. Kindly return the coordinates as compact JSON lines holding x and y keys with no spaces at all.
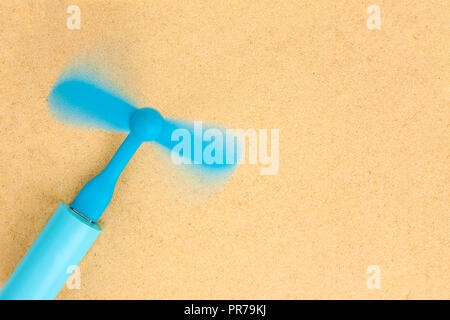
{"x":198,"y":144}
{"x":78,"y":102}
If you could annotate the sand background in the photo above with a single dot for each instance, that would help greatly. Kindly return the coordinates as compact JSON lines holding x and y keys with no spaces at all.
{"x":364,"y":146}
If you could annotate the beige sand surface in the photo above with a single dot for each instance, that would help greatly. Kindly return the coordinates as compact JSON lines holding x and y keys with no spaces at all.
{"x":364,"y":146}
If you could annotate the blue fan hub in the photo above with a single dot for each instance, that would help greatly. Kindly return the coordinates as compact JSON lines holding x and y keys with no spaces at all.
{"x":146,"y":124}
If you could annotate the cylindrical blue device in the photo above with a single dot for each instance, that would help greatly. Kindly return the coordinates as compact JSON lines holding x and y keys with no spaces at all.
{"x":73,"y":229}
{"x":49,"y":262}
